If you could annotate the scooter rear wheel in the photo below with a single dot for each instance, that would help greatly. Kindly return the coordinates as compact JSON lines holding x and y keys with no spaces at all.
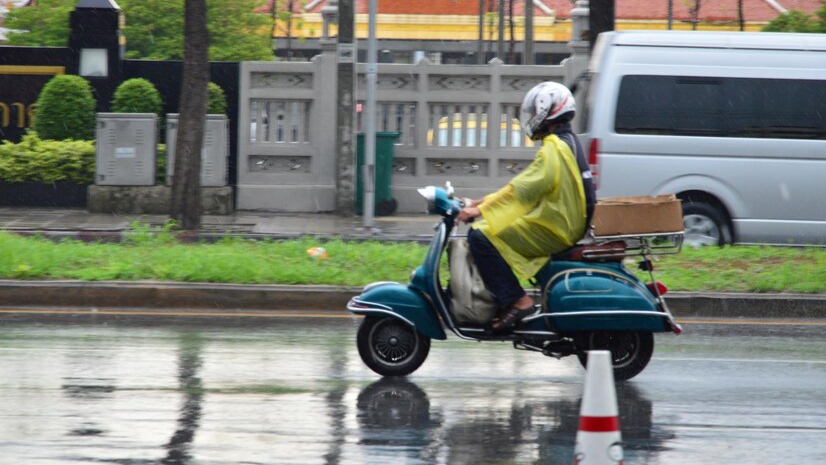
{"x":391,"y":347}
{"x":630,"y":350}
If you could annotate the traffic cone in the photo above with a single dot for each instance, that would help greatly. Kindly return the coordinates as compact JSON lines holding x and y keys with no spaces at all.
{"x":598,"y":440}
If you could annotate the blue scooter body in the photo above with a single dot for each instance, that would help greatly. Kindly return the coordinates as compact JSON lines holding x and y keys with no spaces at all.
{"x":602,"y":296}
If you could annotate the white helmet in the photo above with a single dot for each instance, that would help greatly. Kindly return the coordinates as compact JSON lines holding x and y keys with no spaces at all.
{"x":547,"y":101}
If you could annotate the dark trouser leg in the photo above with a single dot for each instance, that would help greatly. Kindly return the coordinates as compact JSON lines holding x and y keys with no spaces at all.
{"x":495,"y":271}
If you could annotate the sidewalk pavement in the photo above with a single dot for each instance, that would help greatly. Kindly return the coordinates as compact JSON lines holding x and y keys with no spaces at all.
{"x":82,"y":297}
{"x":80,"y":224}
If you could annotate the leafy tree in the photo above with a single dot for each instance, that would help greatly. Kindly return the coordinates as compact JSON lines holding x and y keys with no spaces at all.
{"x":66,"y":109}
{"x":798,"y":21}
{"x":154,"y":28}
{"x":284,"y":21}
{"x":47,"y":23}
{"x":236,"y":32}
{"x":137,"y":95}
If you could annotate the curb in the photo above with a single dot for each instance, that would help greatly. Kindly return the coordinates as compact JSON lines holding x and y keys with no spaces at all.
{"x":171,"y":295}
{"x":205,"y":297}
{"x":747,"y":305}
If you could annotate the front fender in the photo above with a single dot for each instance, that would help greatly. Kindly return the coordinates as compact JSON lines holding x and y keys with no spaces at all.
{"x":398,"y":301}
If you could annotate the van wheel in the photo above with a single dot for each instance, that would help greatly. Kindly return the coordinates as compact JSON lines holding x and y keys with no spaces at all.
{"x":705,"y":225}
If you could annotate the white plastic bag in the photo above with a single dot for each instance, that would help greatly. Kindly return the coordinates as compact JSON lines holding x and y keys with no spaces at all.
{"x":471,"y":301}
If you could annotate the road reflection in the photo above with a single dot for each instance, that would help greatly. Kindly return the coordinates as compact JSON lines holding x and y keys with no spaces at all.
{"x":296,"y":392}
{"x":190,"y":385}
{"x":397,"y":420}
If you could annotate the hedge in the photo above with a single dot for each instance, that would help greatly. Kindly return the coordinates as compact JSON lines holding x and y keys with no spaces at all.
{"x":47,"y":161}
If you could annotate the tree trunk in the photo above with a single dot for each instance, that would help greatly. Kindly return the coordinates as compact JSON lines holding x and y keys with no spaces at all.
{"x":695,"y":15}
{"x":186,"y":180}
{"x":512,"y":33}
{"x":346,"y":114}
{"x":274,"y":20}
{"x":741,"y":20}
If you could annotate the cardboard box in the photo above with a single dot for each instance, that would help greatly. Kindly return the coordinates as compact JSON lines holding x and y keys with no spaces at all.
{"x":616,"y":216}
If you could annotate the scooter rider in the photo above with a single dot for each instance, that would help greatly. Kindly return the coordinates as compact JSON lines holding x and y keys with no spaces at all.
{"x":543,"y":210}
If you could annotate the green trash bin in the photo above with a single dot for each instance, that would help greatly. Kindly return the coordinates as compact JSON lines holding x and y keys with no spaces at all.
{"x":384,"y":202}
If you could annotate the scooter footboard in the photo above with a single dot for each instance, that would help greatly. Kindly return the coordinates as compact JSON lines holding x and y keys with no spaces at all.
{"x":398,"y":301}
{"x":602,"y":300}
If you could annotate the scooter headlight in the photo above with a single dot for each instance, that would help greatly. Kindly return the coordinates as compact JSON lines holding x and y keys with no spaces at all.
{"x":439,"y":200}
{"x":429,"y":193}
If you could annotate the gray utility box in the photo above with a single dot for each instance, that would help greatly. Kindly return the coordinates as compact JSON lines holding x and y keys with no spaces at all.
{"x":126,"y":149}
{"x":214,"y":151}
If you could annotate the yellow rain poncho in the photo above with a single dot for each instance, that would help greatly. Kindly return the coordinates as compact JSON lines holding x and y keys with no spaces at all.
{"x":540,"y":212}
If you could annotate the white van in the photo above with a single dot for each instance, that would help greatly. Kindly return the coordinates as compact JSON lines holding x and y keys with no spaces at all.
{"x":734,"y":123}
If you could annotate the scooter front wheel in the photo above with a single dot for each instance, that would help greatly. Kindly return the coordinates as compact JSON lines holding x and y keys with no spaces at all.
{"x":391,"y":347}
{"x":630,"y":350}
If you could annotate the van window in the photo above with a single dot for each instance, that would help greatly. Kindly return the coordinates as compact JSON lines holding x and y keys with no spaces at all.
{"x":722,"y":107}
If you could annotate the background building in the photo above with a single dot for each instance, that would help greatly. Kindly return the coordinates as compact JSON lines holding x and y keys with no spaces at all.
{"x":448,"y":31}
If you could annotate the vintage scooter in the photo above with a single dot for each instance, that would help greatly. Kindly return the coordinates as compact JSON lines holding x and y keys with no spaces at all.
{"x":588,"y":300}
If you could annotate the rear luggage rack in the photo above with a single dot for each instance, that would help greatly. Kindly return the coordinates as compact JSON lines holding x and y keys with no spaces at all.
{"x":621,"y":246}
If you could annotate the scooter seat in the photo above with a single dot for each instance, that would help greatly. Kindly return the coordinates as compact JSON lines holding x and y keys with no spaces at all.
{"x":613,"y":251}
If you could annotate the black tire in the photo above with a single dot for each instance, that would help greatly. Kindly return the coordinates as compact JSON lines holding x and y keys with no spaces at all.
{"x":705,"y":225}
{"x":630,"y":350}
{"x":390,"y":347}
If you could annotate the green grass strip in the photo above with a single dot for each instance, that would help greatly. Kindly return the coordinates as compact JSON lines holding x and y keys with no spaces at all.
{"x":158,"y":256}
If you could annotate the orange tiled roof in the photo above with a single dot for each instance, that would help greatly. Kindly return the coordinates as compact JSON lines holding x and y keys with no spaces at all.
{"x":710,"y":10}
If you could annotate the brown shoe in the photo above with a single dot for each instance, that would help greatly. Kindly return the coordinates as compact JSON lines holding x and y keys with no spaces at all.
{"x":509,"y":319}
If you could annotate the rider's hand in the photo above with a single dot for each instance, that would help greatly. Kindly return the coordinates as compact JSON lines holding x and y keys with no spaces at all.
{"x":468,"y":214}
{"x":468,"y":202}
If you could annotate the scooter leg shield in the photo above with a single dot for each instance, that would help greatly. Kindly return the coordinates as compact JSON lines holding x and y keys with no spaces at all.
{"x":399,"y":301}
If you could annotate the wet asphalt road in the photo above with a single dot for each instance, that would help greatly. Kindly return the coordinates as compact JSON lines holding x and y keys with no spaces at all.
{"x":294,"y":391}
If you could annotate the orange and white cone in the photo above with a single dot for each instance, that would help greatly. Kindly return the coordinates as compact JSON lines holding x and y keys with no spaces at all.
{"x":598,"y":441}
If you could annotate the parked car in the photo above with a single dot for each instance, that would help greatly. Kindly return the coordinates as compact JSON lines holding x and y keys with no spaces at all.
{"x":733,"y":123}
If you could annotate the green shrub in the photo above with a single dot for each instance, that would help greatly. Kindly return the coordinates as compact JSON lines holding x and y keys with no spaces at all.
{"x":66,"y":109}
{"x":137,"y":95}
{"x":792,"y":21}
{"x":47,"y":161}
{"x":217,"y":101}
{"x":160,"y":164}
{"x":799,"y":21}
